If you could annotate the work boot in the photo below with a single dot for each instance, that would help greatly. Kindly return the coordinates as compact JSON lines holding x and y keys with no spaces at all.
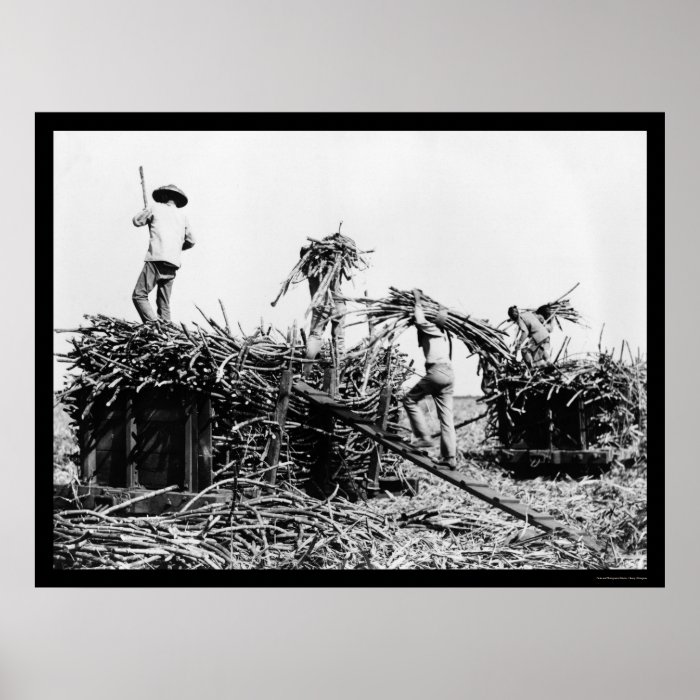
{"x":449,"y":463}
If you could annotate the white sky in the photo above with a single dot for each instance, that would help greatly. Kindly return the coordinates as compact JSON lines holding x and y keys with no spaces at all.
{"x":478,"y":220}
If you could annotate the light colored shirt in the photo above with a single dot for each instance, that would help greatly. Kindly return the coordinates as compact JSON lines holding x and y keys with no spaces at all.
{"x":169,"y":232}
{"x":431,"y":339}
{"x":531,"y":326}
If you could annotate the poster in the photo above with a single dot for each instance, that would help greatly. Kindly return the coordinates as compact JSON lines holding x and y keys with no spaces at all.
{"x":180,"y":401}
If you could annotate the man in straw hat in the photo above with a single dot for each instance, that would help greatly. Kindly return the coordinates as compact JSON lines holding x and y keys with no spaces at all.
{"x":438,"y":382}
{"x":170,"y":234}
{"x":532,"y":329}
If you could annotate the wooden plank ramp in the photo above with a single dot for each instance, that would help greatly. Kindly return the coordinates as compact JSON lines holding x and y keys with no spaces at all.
{"x":472,"y":486}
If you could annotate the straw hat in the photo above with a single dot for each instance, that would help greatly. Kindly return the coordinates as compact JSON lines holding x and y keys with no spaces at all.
{"x":166,"y":192}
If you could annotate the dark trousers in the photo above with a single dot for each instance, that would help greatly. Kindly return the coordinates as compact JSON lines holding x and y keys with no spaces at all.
{"x":154,"y":274}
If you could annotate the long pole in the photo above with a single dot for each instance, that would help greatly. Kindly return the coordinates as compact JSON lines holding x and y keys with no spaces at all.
{"x":143,"y":187}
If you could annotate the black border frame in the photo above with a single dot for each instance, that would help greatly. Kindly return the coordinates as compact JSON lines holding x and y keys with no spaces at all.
{"x":46,"y":123}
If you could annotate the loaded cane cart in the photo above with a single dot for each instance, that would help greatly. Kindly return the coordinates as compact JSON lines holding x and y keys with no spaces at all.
{"x":583,"y":412}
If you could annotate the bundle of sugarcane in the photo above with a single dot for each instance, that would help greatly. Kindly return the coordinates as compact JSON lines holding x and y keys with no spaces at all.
{"x":392,"y":315}
{"x":281,"y":529}
{"x":610,"y":391}
{"x":559,"y":309}
{"x":114,"y":359}
{"x":327,"y":262}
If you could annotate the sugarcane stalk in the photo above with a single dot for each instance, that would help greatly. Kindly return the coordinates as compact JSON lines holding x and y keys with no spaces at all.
{"x":143,"y":188}
{"x":239,"y":373}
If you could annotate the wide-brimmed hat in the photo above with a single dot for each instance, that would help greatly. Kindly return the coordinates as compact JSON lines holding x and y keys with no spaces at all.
{"x":166,"y":192}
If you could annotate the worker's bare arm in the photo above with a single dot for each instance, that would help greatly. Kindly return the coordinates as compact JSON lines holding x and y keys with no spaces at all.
{"x":521,"y":337}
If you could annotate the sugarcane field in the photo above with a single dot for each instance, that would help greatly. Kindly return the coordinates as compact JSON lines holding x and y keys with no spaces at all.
{"x":374,"y":408}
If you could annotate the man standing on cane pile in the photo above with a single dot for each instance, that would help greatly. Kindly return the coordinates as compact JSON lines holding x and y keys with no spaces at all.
{"x":531,"y":328}
{"x":170,"y":234}
{"x":438,"y":382}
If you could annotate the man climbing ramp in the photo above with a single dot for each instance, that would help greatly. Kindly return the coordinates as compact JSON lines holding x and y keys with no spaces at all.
{"x":531,"y":328}
{"x":438,"y":382}
{"x":169,"y":235}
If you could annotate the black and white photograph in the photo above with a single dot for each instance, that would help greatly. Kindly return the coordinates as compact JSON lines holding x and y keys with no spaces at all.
{"x":366,"y":349}
{"x":349,"y":350}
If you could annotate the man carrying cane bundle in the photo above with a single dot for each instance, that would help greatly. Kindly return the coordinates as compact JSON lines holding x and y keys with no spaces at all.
{"x":323,"y":313}
{"x":438,"y":382}
{"x":531,"y":328}
{"x":170,"y":234}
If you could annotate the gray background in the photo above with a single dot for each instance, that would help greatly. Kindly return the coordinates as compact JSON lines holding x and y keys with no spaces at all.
{"x":219,"y":56}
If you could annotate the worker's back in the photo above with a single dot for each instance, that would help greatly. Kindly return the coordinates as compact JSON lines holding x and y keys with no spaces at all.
{"x":168,"y":227}
{"x":533,"y":326}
